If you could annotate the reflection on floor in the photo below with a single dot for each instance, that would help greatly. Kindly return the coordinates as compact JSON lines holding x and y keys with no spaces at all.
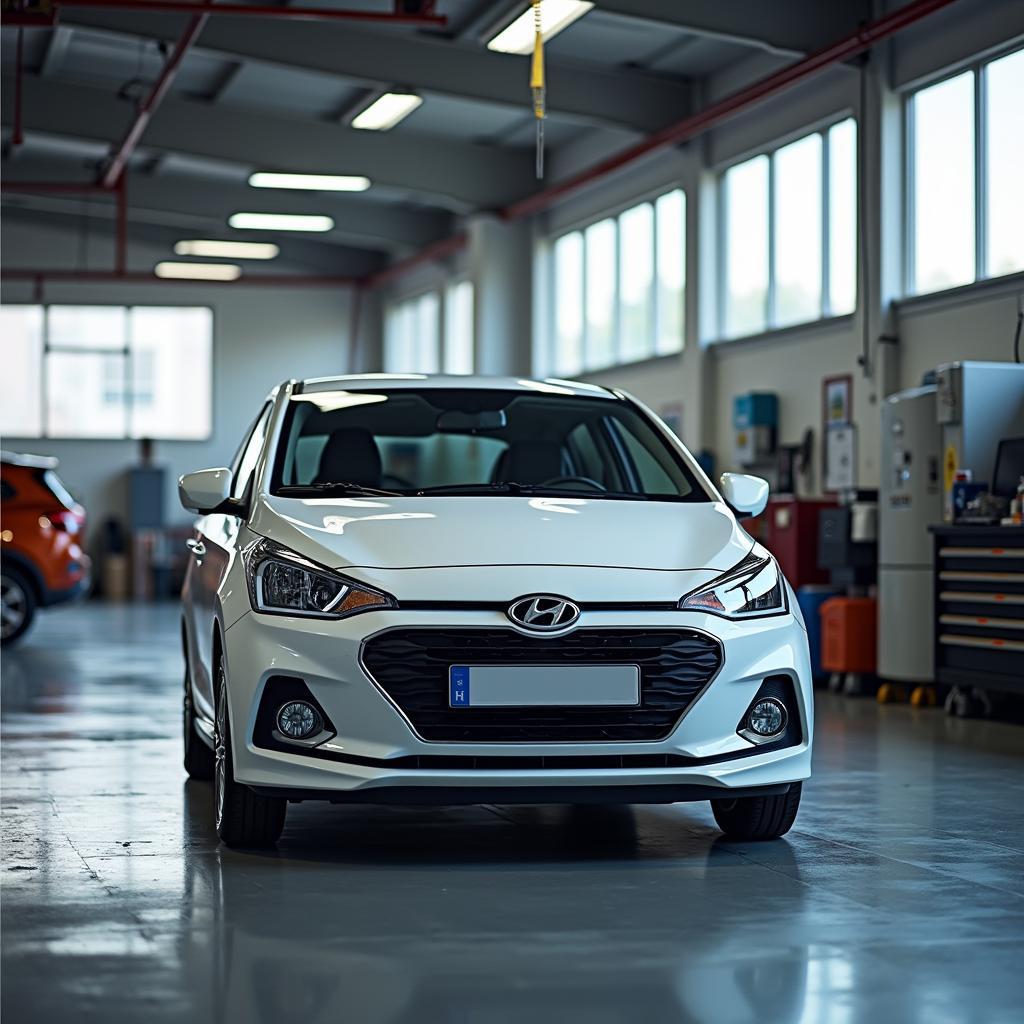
{"x":899,"y":896}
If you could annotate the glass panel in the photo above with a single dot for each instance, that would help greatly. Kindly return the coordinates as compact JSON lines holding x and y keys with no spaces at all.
{"x":636,"y":276}
{"x":601,"y":297}
{"x":568,"y":303}
{"x":98,"y":327}
{"x":670,"y":260}
{"x":798,"y":232}
{"x":943,"y":184}
{"x":746,"y":247}
{"x":250,"y":456}
{"x":842,"y":217}
{"x":452,"y":439}
{"x":85,"y":395}
{"x":1004,"y":134}
{"x":398,"y":357}
{"x":21,"y":412}
{"x":427,"y":336}
{"x":458,"y":348}
{"x":171,"y":387}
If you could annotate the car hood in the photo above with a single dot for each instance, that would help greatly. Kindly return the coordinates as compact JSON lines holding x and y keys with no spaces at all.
{"x":433,"y":532}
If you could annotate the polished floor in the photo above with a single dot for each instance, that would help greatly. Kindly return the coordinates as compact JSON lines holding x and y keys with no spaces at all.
{"x":899,"y":896}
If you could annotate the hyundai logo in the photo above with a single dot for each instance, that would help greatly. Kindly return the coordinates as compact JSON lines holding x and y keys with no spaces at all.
{"x":543,"y":613}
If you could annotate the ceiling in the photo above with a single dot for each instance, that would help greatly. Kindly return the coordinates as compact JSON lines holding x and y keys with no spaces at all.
{"x":259,"y":93}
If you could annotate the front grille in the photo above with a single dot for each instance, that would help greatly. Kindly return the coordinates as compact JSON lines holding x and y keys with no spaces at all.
{"x":411,"y":666}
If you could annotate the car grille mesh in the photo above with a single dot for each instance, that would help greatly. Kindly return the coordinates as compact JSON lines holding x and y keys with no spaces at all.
{"x":411,"y":666}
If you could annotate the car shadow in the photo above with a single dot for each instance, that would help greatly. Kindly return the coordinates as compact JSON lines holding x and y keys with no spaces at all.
{"x":492,"y":835}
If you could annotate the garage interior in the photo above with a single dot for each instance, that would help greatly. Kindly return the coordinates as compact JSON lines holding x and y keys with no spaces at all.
{"x":794,"y":230}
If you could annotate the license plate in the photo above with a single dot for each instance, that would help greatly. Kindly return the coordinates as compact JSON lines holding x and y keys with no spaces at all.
{"x":521,"y":686}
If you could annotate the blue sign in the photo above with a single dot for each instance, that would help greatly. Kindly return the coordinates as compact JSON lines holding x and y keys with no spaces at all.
{"x":458,"y":686}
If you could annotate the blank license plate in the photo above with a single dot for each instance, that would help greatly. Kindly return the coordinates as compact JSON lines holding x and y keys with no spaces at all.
{"x":520,"y":686}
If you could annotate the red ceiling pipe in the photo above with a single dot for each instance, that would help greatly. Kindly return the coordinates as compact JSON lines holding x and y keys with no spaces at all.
{"x":697,"y":124}
{"x":434,"y":251}
{"x":39,"y":275}
{"x":265,"y":11}
{"x":112,"y":175}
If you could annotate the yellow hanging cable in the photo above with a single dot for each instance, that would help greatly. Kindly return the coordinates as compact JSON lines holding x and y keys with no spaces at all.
{"x":537,"y":85}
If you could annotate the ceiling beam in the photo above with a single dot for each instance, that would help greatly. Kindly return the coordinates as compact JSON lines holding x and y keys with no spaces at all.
{"x":205,"y":203}
{"x":67,"y":214}
{"x":465,"y":70}
{"x":795,"y":27}
{"x":455,"y":175}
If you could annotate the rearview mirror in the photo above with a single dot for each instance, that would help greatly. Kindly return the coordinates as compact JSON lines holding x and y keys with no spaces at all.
{"x":455,"y":421}
{"x":206,"y":490}
{"x":746,"y":495}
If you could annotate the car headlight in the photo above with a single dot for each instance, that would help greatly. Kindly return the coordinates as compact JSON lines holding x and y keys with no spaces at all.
{"x":752,"y":588}
{"x":282,"y":582}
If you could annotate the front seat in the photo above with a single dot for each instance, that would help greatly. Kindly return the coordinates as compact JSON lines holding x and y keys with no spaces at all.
{"x":351,"y":456}
{"x":530,"y":462}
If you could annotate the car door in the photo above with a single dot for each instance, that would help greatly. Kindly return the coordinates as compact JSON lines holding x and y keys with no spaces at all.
{"x":212,"y":547}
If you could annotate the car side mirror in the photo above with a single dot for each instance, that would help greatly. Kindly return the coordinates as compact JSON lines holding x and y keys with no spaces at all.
{"x":207,"y":490}
{"x":746,"y":495}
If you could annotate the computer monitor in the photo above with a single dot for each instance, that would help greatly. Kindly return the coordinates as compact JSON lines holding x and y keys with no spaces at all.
{"x":1009,"y":467}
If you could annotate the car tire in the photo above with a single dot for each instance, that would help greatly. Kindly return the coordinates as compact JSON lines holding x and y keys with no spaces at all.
{"x":18,"y":607}
{"x":242,"y":817}
{"x":753,"y":818}
{"x":198,"y":757}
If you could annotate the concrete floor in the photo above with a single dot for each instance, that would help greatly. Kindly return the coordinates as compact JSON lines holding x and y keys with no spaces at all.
{"x":898,"y":897}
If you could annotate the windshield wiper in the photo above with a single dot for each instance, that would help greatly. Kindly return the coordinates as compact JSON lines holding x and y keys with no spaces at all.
{"x":528,"y":490}
{"x":493,"y":488}
{"x":341,"y":487}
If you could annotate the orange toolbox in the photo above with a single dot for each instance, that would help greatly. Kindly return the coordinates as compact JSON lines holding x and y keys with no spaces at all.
{"x":848,"y":631}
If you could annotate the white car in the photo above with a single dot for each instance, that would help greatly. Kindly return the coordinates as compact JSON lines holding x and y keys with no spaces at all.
{"x":451,"y":590}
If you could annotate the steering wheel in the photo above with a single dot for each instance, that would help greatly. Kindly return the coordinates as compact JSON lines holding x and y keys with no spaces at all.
{"x":557,"y":481}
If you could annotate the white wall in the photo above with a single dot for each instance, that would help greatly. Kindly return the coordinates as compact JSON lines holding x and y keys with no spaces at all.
{"x":261,"y":337}
{"x":976,"y":322}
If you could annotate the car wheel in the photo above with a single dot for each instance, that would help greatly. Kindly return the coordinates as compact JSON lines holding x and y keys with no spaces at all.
{"x":758,"y":817}
{"x":198,"y":759}
{"x":17,"y":604}
{"x":243,"y":818}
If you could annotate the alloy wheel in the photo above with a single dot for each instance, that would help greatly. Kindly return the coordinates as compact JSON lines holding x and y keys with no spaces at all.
{"x":13,"y":606}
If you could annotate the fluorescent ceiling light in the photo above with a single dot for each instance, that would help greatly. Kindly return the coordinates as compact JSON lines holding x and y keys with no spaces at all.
{"x":229,"y":250}
{"x":312,"y":182}
{"x":280,"y":222}
{"x":198,"y":271}
{"x":554,"y":16}
{"x":386,"y":112}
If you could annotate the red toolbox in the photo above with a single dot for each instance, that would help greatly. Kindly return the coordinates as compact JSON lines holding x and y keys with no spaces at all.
{"x":791,"y":535}
{"x":848,"y":634}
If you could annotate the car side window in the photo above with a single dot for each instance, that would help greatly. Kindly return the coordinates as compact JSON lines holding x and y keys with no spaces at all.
{"x":652,"y":475}
{"x":247,"y":456}
{"x":585,"y":456}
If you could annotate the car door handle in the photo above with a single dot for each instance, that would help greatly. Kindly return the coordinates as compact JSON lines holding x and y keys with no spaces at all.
{"x":197,"y":547}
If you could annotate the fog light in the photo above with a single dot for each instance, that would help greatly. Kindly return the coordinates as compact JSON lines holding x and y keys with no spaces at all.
{"x":298,"y":720}
{"x":767,"y":717}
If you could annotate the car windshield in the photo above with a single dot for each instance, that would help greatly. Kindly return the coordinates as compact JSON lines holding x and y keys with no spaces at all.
{"x":472,"y":441}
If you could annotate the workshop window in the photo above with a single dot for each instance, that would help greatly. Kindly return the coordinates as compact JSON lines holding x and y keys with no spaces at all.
{"x":617,"y":289}
{"x":412,"y":339}
{"x":965,"y":150}
{"x":107,"y":372}
{"x":788,"y":234}
{"x":458,"y":328}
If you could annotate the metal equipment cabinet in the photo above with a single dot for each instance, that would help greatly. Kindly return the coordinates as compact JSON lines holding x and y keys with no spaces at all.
{"x":979,"y":607}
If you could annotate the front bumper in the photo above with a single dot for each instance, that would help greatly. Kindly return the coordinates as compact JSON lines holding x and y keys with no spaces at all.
{"x":377,"y":756}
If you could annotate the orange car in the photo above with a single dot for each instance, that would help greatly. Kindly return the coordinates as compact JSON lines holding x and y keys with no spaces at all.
{"x":41,"y":527}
